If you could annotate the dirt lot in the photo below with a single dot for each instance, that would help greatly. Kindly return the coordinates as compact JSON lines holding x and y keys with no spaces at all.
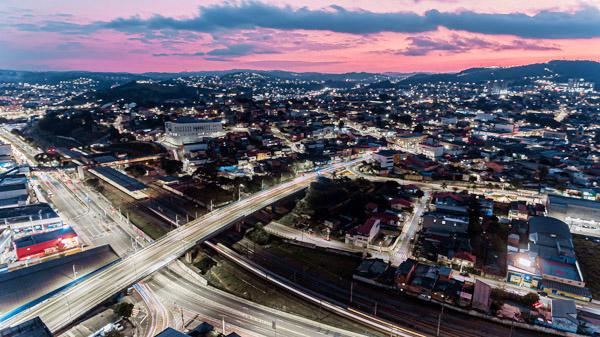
{"x":587,"y":252}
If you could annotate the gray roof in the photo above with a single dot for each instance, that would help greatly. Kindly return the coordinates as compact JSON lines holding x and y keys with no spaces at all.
{"x":564,"y":309}
{"x":548,"y":225}
{"x":560,"y":200}
{"x":32,"y":328}
{"x":22,"y":214}
{"x":21,"y":286}
{"x":170,"y":332}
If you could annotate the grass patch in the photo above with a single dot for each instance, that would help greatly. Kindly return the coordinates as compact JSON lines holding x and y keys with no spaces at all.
{"x":324,"y":262}
{"x":289,"y":219}
{"x":231,"y":278}
{"x":587,"y":252}
{"x":153,"y":230}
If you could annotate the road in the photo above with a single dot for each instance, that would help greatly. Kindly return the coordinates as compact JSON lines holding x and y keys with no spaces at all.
{"x":84,"y":210}
{"x":173,"y":287}
{"x":409,"y":231}
{"x":88,"y":293}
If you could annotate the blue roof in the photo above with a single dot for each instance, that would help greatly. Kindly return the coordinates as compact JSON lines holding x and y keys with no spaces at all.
{"x":122,"y":179}
{"x":559,"y":269}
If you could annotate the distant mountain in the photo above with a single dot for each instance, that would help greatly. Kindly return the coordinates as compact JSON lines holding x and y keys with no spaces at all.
{"x":560,"y":70}
{"x":143,"y":93}
{"x":54,"y":77}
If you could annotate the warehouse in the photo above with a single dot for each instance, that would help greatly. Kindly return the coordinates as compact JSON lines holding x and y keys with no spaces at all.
{"x":45,"y":244}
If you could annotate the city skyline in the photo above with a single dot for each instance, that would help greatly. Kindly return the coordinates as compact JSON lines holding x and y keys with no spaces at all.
{"x":342,"y":36}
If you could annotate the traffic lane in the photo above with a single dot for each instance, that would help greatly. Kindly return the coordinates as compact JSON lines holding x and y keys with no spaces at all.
{"x":220,"y":304}
{"x":155,"y":256}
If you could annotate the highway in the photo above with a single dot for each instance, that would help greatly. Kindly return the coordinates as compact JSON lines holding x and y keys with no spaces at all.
{"x":59,"y":311}
{"x":82,"y":209}
{"x":173,"y":287}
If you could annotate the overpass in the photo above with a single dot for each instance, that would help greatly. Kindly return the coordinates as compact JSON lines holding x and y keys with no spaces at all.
{"x":63,"y":308}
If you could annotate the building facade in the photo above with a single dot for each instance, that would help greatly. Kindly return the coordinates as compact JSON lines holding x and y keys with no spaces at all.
{"x":188,"y":130}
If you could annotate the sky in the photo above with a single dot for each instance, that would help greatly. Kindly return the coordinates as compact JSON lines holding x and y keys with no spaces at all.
{"x":336,"y":36}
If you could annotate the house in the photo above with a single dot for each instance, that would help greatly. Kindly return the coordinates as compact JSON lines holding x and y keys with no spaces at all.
{"x":399,"y":203}
{"x":518,"y":210}
{"x":404,"y":273}
{"x":464,"y":259}
{"x":444,"y":222}
{"x":564,"y":315}
{"x":371,"y":207}
{"x":365,"y":234}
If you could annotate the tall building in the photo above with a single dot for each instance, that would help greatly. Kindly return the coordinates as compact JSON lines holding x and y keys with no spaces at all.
{"x":188,"y":130}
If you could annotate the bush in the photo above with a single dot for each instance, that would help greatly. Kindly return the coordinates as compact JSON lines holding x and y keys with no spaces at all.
{"x":530,"y":299}
{"x":259,"y":235}
{"x":136,"y":170}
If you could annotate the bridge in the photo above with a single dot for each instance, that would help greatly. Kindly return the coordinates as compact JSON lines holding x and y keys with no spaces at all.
{"x":63,"y":308}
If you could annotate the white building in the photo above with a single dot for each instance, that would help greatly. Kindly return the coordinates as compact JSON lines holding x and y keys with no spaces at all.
{"x":187,"y":130}
{"x":431,"y":151}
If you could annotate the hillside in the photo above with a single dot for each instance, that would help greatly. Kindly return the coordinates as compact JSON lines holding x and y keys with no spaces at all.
{"x":560,"y":70}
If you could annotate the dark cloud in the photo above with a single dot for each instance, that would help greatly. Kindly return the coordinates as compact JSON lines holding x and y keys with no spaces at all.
{"x":223,"y":54}
{"x":584,"y":23}
{"x":420,"y":46}
{"x":219,"y":59}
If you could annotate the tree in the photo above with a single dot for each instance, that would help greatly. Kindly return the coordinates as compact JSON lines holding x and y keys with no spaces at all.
{"x":171,"y":166}
{"x":124,"y":309}
{"x":530,"y":299}
{"x":258,"y":234}
{"x":542,"y":172}
{"x":114,"y":333}
{"x":560,"y":188}
{"x":136,"y":170}
{"x":341,"y":125}
{"x":516,"y":183}
{"x":419,"y":128}
{"x":419,"y":194}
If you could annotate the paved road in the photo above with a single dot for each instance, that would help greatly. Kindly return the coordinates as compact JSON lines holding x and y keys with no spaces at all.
{"x":90,"y":292}
{"x":84,"y":210}
{"x":402,"y":252}
{"x":173,"y":286}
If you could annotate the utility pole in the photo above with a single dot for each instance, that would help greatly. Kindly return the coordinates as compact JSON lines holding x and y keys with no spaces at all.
{"x":351,"y":290}
{"x":440,"y":320}
{"x":223,"y":325}
{"x":375,"y":311}
{"x":74,"y":273}
{"x":182,"y":322}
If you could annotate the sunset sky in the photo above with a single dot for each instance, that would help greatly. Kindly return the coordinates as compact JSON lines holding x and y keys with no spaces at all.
{"x":335,"y":36}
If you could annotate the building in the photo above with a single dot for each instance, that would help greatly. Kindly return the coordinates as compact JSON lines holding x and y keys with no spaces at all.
{"x":549,"y":262}
{"x":564,"y":315}
{"x":44,"y":244}
{"x":364,"y":234}
{"x":443,"y":222}
{"x":10,"y":191}
{"x":387,"y":158}
{"x":187,"y":130}
{"x":431,"y":151}
{"x":574,"y":211}
{"x":481,"y":296}
{"x":29,"y":219}
{"x":31,"y":328}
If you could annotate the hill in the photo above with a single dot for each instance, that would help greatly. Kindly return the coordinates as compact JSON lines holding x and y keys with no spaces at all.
{"x":560,"y":71}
